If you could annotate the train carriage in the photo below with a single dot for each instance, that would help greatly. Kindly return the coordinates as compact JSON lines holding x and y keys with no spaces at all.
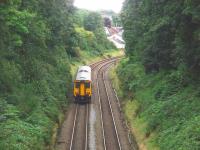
{"x":82,"y":85}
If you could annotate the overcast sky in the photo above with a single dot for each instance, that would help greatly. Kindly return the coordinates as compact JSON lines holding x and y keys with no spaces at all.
{"x":114,"y":5}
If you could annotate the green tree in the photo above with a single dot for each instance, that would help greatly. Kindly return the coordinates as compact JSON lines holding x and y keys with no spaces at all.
{"x":116,"y":20}
{"x":93,"y":21}
{"x":163,"y":47}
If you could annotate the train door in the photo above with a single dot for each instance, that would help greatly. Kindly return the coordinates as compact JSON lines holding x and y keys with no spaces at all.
{"x":82,"y":89}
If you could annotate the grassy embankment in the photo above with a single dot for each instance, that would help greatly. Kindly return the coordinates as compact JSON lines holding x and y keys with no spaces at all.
{"x":162,"y":113}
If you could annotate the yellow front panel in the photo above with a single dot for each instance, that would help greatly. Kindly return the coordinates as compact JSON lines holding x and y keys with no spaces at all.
{"x":75,"y":91}
{"x":82,"y":89}
{"x":88,"y":92}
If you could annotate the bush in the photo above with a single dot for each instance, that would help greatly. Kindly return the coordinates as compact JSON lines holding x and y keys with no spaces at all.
{"x":169,"y":104}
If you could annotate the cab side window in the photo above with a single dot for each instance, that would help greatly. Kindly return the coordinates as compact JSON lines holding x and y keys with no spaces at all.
{"x":77,"y":84}
{"x":87,"y":85}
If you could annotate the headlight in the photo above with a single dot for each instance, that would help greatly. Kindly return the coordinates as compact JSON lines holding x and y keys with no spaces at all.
{"x":76,"y":91}
{"x":88,"y":92}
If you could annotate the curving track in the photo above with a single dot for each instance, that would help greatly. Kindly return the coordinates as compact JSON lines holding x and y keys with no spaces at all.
{"x":110,"y":132}
{"x":98,"y":125}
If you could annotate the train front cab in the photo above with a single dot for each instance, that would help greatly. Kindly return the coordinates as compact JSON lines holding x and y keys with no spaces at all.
{"x":82,"y":91}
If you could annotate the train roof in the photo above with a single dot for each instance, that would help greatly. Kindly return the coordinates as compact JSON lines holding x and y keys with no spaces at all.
{"x":84,"y":73}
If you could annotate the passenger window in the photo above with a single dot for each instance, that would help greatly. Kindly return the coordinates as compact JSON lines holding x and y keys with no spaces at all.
{"x":83,"y":71}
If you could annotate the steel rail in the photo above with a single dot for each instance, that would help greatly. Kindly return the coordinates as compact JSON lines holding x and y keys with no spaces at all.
{"x":86,"y":127}
{"x":75,"y":124}
{"x":111,"y":110}
{"x":94,"y":65}
{"x":101,"y":114}
{"x":104,"y":60}
{"x":102,"y":125}
{"x":101,"y":64}
{"x":73,"y":130}
{"x":119,"y":106}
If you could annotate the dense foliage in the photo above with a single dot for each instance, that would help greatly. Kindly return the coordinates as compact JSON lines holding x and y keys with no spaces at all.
{"x":34,"y":70}
{"x":163,"y":45}
{"x":93,"y":22}
{"x":38,"y":40}
{"x":90,"y":32}
{"x":116,"y":20}
{"x":165,"y":33}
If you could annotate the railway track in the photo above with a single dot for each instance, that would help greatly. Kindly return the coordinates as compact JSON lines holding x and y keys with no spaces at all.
{"x":79,"y":135}
{"x":76,"y":135}
{"x":109,"y":129}
{"x":126,"y":138}
{"x":80,"y":128}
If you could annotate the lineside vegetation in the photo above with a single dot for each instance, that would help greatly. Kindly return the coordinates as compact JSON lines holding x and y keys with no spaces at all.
{"x":161,"y":75}
{"x":39,"y":41}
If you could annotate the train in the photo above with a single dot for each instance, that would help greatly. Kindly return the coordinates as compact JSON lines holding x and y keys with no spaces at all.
{"x":83,"y":85}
